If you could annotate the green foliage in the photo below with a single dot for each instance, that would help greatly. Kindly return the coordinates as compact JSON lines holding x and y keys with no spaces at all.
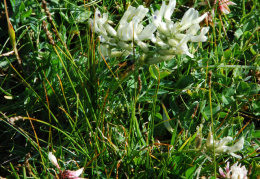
{"x":67,"y":99}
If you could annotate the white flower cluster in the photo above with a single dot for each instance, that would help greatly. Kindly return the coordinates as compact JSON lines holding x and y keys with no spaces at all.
{"x":170,"y":38}
{"x":236,"y":171}
{"x":220,"y":145}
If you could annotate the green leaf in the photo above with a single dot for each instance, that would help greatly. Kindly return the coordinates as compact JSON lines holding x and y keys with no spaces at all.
{"x":249,"y":26}
{"x":227,"y":100}
{"x":230,"y":91}
{"x":55,"y":1}
{"x":238,"y":119}
{"x":83,"y":16}
{"x":11,"y":33}
{"x":254,"y":89}
{"x":256,"y":141}
{"x":22,"y":7}
{"x":252,"y":50}
{"x":5,"y":92}
{"x":247,"y":35}
{"x":27,"y":13}
{"x":160,"y":91}
{"x":189,"y":173}
{"x":243,"y":88}
{"x":227,"y":53}
{"x":164,"y":74}
{"x":215,"y":109}
{"x":166,"y":122}
{"x":184,"y":82}
{"x":14,"y":172}
{"x":64,"y":16}
{"x":256,"y":107}
{"x":158,"y":117}
{"x":154,"y":71}
{"x":238,"y":33}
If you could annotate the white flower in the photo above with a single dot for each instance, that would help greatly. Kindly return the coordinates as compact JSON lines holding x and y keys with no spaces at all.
{"x":236,"y":147}
{"x":201,"y":37}
{"x":128,"y":31}
{"x":172,"y":34}
{"x":110,"y":29}
{"x":143,"y":46}
{"x":188,"y":19}
{"x":158,"y":15}
{"x":168,"y":12}
{"x":105,"y":51}
{"x":53,"y":160}
{"x":147,"y":32}
{"x":236,"y":171}
{"x":193,"y":29}
{"x":125,"y":46}
{"x":221,"y":147}
{"x":171,"y":38}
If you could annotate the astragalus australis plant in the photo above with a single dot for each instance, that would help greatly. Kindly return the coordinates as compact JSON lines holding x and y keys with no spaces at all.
{"x":156,"y":42}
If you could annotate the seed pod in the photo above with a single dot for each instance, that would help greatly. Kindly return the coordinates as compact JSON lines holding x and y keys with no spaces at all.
{"x":198,"y":141}
{"x":46,"y":9}
{"x":49,"y":35}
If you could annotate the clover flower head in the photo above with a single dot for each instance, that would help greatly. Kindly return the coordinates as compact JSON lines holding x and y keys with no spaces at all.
{"x":65,"y":174}
{"x":235,"y":172}
{"x":222,"y":7}
{"x":72,"y":174}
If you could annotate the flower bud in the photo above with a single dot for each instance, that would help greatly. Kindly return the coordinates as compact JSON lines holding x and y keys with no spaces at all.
{"x":110,"y":29}
{"x":173,"y":42}
{"x":193,"y":29}
{"x":201,"y":37}
{"x":209,"y":142}
{"x":198,"y":141}
{"x":53,"y":160}
{"x":143,"y":46}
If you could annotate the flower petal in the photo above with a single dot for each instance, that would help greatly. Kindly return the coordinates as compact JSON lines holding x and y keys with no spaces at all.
{"x":221,"y":172}
{"x":237,"y":146}
{"x":147,"y":32}
{"x":78,"y":172}
{"x":235,"y":155}
{"x":209,"y":142}
{"x":169,"y":10}
{"x":110,"y":29}
{"x":53,"y":160}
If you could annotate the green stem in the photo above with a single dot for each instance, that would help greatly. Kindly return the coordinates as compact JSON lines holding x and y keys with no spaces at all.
{"x":213,"y":132}
{"x":231,"y":66}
